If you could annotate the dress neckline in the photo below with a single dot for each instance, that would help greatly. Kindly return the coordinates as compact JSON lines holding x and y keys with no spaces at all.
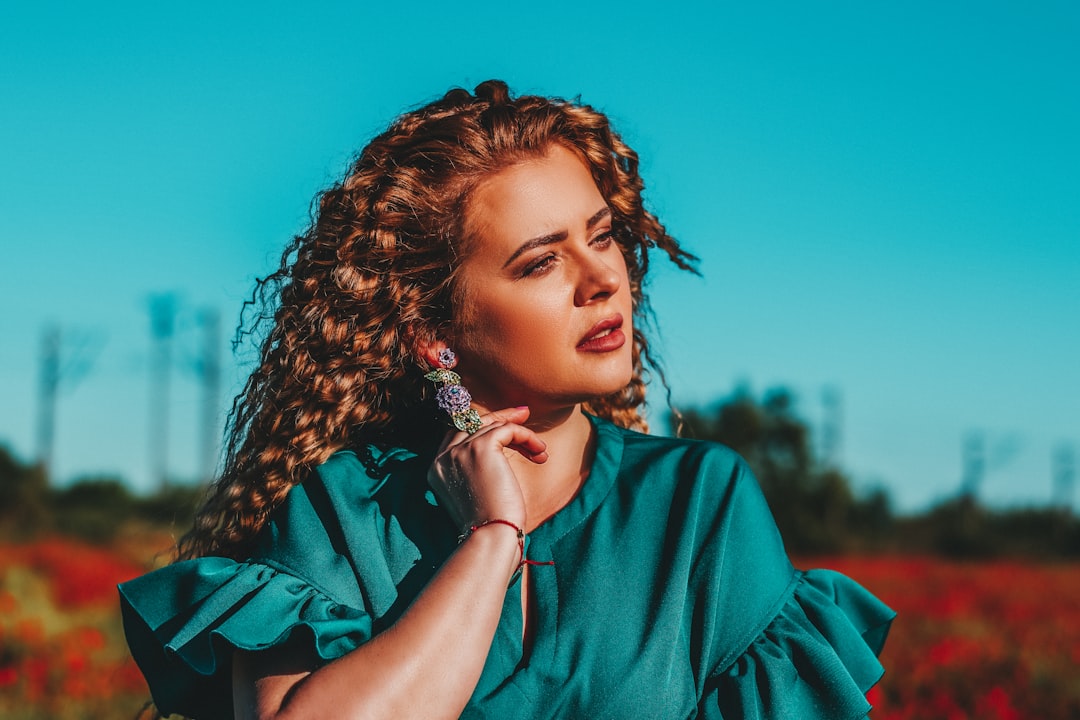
{"x":529,"y":664}
{"x":601,"y":478}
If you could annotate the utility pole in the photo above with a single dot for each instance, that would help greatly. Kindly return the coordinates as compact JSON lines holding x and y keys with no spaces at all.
{"x":974,"y":463}
{"x":162,"y":327}
{"x":47,"y":391}
{"x":65,"y":360}
{"x":209,"y":369}
{"x":1064,"y":476}
{"x":831,"y":426}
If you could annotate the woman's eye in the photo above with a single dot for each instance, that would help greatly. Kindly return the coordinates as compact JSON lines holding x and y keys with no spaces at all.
{"x":538,"y":266}
{"x":604,"y":240}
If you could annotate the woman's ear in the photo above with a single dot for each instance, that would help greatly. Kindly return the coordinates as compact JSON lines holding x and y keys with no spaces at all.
{"x":427,"y":344}
{"x":432,"y":352}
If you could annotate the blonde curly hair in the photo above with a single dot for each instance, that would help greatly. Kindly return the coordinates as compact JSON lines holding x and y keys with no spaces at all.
{"x":373,"y":278}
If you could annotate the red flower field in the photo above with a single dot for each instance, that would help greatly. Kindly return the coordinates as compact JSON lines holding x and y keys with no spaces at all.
{"x":996,"y":641}
{"x":62,"y":653}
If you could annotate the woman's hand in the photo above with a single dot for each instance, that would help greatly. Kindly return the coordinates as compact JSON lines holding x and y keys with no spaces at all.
{"x":472,"y":475}
{"x":432,"y":656}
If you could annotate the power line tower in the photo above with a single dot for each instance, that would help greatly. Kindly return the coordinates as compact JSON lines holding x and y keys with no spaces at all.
{"x":47,"y":390}
{"x":209,"y":371}
{"x":831,"y":426}
{"x":1064,"y":476}
{"x":162,"y":327}
{"x":65,"y":360}
{"x":974,"y":463}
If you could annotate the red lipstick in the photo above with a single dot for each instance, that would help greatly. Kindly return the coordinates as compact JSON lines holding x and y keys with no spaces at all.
{"x":604,"y":336}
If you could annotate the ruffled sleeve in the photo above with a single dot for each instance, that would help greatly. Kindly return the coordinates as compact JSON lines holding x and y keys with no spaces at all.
{"x":183,"y":622}
{"x":815,"y":658}
{"x":329,"y":568}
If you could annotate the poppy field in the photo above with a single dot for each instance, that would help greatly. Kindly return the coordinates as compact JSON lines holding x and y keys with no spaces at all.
{"x":62,"y":651}
{"x":992,"y":640}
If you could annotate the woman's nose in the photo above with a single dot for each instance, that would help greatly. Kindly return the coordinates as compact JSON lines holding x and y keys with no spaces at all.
{"x":599,"y":279}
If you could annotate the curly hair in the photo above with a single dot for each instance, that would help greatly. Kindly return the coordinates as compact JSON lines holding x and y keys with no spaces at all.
{"x":373,"y":278}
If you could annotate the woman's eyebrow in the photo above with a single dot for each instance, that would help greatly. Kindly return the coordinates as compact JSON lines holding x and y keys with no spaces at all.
{"x":604,"y":212}
{"x":557,"y":237}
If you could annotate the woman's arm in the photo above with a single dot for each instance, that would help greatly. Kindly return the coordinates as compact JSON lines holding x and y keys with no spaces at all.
{"x":432,"y":657}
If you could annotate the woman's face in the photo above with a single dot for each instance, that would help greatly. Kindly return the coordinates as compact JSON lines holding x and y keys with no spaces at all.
{"x":546,"y":316}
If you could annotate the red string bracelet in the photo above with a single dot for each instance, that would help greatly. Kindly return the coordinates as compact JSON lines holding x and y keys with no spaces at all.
{"x":520,"y":539}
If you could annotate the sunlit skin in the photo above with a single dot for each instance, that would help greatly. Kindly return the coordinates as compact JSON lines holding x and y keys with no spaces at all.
{"x":546,"y":325}
{"x":541,"y":272}
{"x":546,"y":321}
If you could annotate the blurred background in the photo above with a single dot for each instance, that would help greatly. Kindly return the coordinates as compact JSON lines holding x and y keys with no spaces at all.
{"x":885,"y":199}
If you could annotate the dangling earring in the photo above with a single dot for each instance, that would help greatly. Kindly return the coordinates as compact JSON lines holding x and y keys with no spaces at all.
{"x":452,"y":396}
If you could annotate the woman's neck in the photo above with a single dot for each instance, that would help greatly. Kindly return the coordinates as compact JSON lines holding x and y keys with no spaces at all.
{"x":570,"y":440}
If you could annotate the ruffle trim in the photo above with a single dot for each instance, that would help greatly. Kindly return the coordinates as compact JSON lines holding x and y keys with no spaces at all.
{"x":183,"y":622}
{"x":816,"y":658}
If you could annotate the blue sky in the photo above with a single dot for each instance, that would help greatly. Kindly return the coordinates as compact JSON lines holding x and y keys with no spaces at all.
{"x":885,"y":198}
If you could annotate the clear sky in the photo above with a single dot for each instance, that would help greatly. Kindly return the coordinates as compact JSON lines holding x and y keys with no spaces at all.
{"x":885,"y":197}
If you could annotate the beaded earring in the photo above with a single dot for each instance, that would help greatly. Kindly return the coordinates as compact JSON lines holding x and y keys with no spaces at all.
{"x":452,"y":396}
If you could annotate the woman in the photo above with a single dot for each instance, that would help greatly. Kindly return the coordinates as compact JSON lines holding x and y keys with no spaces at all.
{"x":541,"y":558}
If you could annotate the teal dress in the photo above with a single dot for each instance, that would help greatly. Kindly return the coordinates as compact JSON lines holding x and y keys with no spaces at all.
{"x":671,"y":595}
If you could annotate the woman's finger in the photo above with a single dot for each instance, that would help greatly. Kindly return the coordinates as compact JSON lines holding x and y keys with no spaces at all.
{"x":515,"y":415}
{"x":520,"y":439}
{"x":505,"y":434}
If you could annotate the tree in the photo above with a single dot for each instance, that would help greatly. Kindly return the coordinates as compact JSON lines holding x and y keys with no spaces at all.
{"x":24,"y":497}
{"x":814,"y":507}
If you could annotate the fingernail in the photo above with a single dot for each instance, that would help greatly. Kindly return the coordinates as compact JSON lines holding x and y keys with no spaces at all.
{"x":522,"y":407}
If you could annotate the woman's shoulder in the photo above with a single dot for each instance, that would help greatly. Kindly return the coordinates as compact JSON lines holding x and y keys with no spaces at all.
{"x":326,"y":568}
{"x":353,"y":479}
{"x":363,"y":471}
{"x":706,"y":488}
{"x":342,"y":505}
{"x":684,"y":461}
{"x":691,"y":449}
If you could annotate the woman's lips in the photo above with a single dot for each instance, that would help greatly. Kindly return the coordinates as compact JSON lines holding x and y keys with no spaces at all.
{"x":604,"y":336}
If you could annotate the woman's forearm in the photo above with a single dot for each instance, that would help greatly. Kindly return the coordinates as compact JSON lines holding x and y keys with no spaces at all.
{"x":431,"y":658}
